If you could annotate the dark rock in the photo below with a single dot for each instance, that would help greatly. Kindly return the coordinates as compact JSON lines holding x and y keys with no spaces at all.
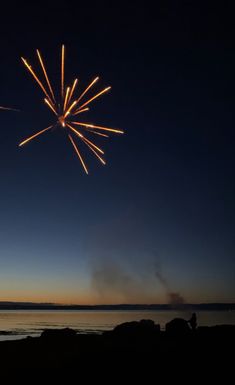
{"x":132,"y":346}
{"x":58,"y":333}
{"x":217,"y":331}
{"x":177,"y":327}
{"x":5,"y":333}
{"x":143,"y":329}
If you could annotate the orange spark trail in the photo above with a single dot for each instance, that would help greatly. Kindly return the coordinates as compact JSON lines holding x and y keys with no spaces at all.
{"x":34,"y":136}
{"x":45,"y":74}
{"x":51,"y":107}
{"x":36,"y":78}
{"x":92,"y":149}
{"x":76,"y":101}
{"x":70,"y":108}
{"x":92,"y":144}
{"x":98,"y":127}
{"x":87,"y":89}
{"x":98,"y":133}
{"x":66,"y":99}
{"x":78,"y":153}
{"x":95,"y":97}
{"x":86,"y":140}
{"x":79,"y":112}
{"x":72,"y":90}
{"x":62,"y":72}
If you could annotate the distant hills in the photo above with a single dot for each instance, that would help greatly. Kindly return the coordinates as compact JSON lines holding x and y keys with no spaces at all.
{"x":51,"y":306}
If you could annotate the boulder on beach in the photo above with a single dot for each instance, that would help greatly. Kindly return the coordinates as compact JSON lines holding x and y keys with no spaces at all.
{"x":177,"y":327}
{"x":58,"y":333}
{"x":136,"y":329}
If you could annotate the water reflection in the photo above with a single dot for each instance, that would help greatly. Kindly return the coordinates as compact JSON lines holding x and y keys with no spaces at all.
{"x":23,"y":323}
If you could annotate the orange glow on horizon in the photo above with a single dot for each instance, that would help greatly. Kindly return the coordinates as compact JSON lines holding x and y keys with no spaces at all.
{"x":85,"y":299}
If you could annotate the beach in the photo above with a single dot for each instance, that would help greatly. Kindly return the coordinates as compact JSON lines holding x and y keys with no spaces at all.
{"x":128,"y":343}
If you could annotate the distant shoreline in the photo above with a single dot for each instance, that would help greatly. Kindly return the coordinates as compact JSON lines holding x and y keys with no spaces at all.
{"x":50,"y":306}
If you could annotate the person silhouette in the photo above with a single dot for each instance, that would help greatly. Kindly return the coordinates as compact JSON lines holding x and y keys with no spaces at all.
{"x":193,"y":321}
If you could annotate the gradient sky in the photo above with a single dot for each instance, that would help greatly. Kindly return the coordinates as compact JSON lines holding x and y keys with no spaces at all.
{"x":166,"y":199}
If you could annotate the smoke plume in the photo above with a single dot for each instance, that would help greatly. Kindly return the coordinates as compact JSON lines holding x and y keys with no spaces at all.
{"x":174,"y":298}
{"x":113,"y":283}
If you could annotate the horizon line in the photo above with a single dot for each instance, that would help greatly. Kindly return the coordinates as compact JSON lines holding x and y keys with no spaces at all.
{"x":113,"y":304}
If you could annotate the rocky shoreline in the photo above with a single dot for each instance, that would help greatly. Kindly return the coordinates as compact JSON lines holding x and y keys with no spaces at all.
{"x":130,"y":342}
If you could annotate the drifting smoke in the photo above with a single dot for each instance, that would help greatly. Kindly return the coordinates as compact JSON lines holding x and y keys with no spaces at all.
{"x":116,"y":248}
{"x":109,"y":279}
{"x":173,"y":298}
{"x":120,"y":273}
{"x":113,"y":283}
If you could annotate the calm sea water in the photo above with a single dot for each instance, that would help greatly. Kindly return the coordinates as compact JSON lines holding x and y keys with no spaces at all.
{"x":19,"y":324}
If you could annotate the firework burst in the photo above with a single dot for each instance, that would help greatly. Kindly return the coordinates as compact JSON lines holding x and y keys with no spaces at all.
{"x":67,"y":109}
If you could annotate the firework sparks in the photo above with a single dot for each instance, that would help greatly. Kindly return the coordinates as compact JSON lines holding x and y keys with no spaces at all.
{"x":8,"y":109}
{"x":67,"y":107}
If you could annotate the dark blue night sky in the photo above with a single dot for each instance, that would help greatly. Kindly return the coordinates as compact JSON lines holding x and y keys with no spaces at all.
{"x":165,"y":202}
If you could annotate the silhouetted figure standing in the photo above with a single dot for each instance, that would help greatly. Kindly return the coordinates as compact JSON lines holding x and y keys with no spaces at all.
{"x":193,"y":321}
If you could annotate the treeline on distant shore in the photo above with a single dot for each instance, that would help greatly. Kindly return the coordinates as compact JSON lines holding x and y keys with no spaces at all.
{"x":50,"y":306}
